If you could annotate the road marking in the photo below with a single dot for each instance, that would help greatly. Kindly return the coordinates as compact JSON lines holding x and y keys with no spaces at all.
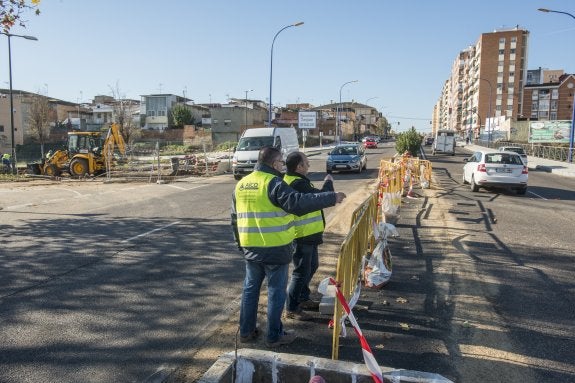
{"x":150,"y":232}
{"x":537,"y":195}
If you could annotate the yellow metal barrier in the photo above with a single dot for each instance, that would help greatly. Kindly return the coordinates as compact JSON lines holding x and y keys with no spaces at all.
{"x":354,"y":247}
{"x":360,"y":239}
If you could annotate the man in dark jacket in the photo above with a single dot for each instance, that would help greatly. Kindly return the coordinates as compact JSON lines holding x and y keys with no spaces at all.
{"x":263,"y":211}
{"x":309,"y":235}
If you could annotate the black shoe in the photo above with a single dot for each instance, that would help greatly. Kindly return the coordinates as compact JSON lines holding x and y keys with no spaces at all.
{"x":251,"y":337}
{"x":309,"y":305}
{"x":286,"y":338}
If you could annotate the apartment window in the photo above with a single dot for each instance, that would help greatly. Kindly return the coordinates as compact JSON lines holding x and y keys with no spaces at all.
{"x":161,"y":112}
{"x":543,"y":114}
{"x":513,"y":39}
{"x":553,"y":104}
{"x":500,"y":69}
{"x":502,"y":51}
{"x":553,"y":115}
{"x":512,"y":51}
{"x":511,"y":74}
{"x":535,"y":94}
{"x":555,"y":94}
{"x":543,"y":105}
{"x":502,"y":40}
{"x":544,"y":94}
{"x":534,"y":114}
{"x":498,"y":107}
{"x":509,"y":101}
{"x":534,"y":105}
{"x":511,"y":67}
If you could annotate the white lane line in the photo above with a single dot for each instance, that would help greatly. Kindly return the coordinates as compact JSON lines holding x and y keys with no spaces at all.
{"x":150,"y":232}
{"x":536,"y":195}
{"x":176,"y":187}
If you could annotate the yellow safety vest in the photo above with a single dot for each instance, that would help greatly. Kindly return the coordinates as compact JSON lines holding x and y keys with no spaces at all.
{"x":260,"y":223}
{"x":310,"y":223}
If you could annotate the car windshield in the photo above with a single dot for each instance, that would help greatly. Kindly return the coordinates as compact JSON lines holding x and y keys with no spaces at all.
{"x":254,"y":143}
{"x":344,"y":150}
{"x":502,"y":158}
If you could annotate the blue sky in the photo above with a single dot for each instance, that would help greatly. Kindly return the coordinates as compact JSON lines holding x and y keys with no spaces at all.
{"x":400,"y":52}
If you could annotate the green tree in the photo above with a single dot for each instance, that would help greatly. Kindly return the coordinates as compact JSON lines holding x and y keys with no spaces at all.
{"x":11,"y":12}
{"x":408,"y":141}
{"x":182,"y":115}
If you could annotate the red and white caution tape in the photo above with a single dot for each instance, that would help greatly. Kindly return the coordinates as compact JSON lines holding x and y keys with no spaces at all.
{"x":368,"y":358}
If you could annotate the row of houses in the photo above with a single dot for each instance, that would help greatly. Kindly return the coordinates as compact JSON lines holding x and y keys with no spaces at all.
{"x":491,"y":91}
{"x":153,"y":113}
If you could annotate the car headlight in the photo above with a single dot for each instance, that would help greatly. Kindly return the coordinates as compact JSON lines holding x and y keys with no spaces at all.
{"x":354,"y":160}
{"x":329,"y":160}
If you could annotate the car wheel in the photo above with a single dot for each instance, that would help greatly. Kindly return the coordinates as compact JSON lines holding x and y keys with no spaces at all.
{"x":463,"y":179}
{"x":474,"y":187}
{"x":358,"y":171}
{"x":522,"y":191}
{"x":237,"y":177}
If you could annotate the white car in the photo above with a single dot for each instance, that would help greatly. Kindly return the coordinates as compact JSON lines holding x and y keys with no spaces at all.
{"x":490,"y":169}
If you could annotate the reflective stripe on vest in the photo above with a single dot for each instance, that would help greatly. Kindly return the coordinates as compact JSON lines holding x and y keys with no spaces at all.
{"x":308,"y":224}
{"x":260,"y":223}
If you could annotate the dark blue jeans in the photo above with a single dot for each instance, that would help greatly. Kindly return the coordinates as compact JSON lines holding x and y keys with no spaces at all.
{"x":276,"y":276}
{"x":305,"y":263}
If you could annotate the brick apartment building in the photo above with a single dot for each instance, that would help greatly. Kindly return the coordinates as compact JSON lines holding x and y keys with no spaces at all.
{"x":486,"y":81}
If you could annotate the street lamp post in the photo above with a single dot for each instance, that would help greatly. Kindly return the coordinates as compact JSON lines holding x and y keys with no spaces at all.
{"x":572,"y":133}
{"x":13,"y":147}
{"x":272,"y":65}
{"x":488,"y":113}
{"x":338,"y":126}
{"x":246,"y":101}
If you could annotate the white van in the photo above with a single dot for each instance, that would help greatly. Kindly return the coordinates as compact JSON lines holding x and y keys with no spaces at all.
{"x":247,"y":151}
{"x":444,"y":142}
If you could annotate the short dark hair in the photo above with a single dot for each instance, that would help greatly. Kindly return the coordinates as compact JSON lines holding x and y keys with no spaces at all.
{"x":293,"y":160}
{"x":269,"y":155}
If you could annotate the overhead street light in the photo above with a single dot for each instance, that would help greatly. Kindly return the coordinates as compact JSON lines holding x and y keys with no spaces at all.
{"x":13,"y":147}
{"x":572,"y":133}
{"x":338,"y":113}
{"x":272,"y":65}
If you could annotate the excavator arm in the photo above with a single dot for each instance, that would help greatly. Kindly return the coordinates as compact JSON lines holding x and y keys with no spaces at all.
{"x":114,"y":138}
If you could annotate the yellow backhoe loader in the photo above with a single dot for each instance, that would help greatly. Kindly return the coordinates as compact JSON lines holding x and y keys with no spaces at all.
{"x":85,"y":153}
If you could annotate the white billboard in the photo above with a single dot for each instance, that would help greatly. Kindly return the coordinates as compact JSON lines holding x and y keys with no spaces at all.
{"x":307,"y":120}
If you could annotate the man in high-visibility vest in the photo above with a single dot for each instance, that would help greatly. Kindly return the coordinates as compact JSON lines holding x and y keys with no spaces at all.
{"x":263,"y":209}
{"x":309,"y":235}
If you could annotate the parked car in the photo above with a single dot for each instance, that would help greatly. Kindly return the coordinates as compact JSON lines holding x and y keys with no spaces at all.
{"x":428,"y":141}
{"x":346,"y":157}
{"x":370,"y":143}
{"x":492,"y":169}
{"x":517,"y":149}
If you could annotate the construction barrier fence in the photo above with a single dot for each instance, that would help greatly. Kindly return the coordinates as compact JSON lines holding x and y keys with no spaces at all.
{"x":397,"y":177}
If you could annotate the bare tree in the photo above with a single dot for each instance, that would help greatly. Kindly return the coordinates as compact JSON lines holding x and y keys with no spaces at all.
{"x":39,"y":120}
{"x":123,"y":115}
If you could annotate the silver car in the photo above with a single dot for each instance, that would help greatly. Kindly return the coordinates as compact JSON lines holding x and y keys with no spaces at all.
{"x":346,"y":158}
{"x":517,"y":149}
{"x":489,"y":169}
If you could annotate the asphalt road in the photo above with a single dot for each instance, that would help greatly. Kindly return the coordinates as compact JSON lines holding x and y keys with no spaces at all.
{"x":118,"y":282}
{"x":510,"y":285}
